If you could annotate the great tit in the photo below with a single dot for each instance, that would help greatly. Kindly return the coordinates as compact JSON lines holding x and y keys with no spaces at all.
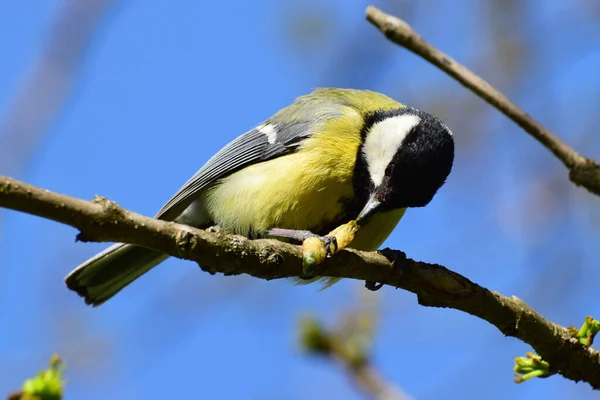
{"x":333,"y":156}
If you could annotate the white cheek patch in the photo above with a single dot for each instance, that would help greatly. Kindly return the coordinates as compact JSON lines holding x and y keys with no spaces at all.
{"x":269,"y":131}
{"x":383,"y":141}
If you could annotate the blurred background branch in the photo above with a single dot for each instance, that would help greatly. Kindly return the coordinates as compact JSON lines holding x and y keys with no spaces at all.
{"x":51,"y":79}
{"x":582,"y":171}
{"x":350,"y":344}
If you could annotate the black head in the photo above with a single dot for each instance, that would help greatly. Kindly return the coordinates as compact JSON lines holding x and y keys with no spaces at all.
{"x":405,"y":157}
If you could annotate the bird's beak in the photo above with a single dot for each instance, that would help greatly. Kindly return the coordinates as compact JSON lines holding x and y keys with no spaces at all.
{"x":371,"y":208}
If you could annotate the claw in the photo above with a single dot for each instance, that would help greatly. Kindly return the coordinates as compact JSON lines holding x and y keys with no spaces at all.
{"x":328,"y":242}
{"x":373,"y":286}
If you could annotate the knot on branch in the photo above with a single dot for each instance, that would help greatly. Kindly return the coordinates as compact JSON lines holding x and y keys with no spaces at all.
{"x":5,"y":186}
{"x":586,"y":174}
{"x":272,"y":259}
{"x":186,"y":241}
{"x":111,"y":214}
{"x":110,"y":207}
{"x":439,"y":281}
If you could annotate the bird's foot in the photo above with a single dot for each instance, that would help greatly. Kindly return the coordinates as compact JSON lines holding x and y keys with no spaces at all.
{"x":316,"y":248}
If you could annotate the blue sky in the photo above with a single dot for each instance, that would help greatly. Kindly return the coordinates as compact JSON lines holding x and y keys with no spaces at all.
{"x":166,"y":84}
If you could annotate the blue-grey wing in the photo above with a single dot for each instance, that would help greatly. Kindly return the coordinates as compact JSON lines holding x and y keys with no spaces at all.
{"x":259,"y":144}
{"x":265,"y":142}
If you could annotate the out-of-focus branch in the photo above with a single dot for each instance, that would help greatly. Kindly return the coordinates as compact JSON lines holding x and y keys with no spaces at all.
{"x":582,"y":171}
{"x":332,"y":344}
{"x":350,"y":344}
{"x":435,"y":286}
{"x":51,"y":79}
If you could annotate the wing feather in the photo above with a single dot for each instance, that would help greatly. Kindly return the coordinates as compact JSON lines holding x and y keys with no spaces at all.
{"x":250,"y":148}
{"x":301,"y":118}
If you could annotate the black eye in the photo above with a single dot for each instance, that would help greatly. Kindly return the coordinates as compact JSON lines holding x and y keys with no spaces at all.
{"x":389,"y":170}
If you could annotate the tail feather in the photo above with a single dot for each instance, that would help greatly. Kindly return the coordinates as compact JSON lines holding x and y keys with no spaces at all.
{"x":326,"y":281}
{"x":107,"y":273}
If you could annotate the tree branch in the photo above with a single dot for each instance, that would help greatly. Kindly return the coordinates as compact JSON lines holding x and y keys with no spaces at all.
{"x":349,"y":343}
{"x":102,"y":220}
{"x":339,"y":346}
{"x":582,"y":171}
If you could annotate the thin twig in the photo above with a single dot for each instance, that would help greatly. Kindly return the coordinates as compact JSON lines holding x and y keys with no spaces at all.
{"x":104,"y":221}
{"x":349,"y":343}
{"x":346,"y":351}
{"x":50,"y":81}
{"x":582,"y":171}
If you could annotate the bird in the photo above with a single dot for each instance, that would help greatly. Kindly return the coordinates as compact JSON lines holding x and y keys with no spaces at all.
{"x":345,"y":159}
